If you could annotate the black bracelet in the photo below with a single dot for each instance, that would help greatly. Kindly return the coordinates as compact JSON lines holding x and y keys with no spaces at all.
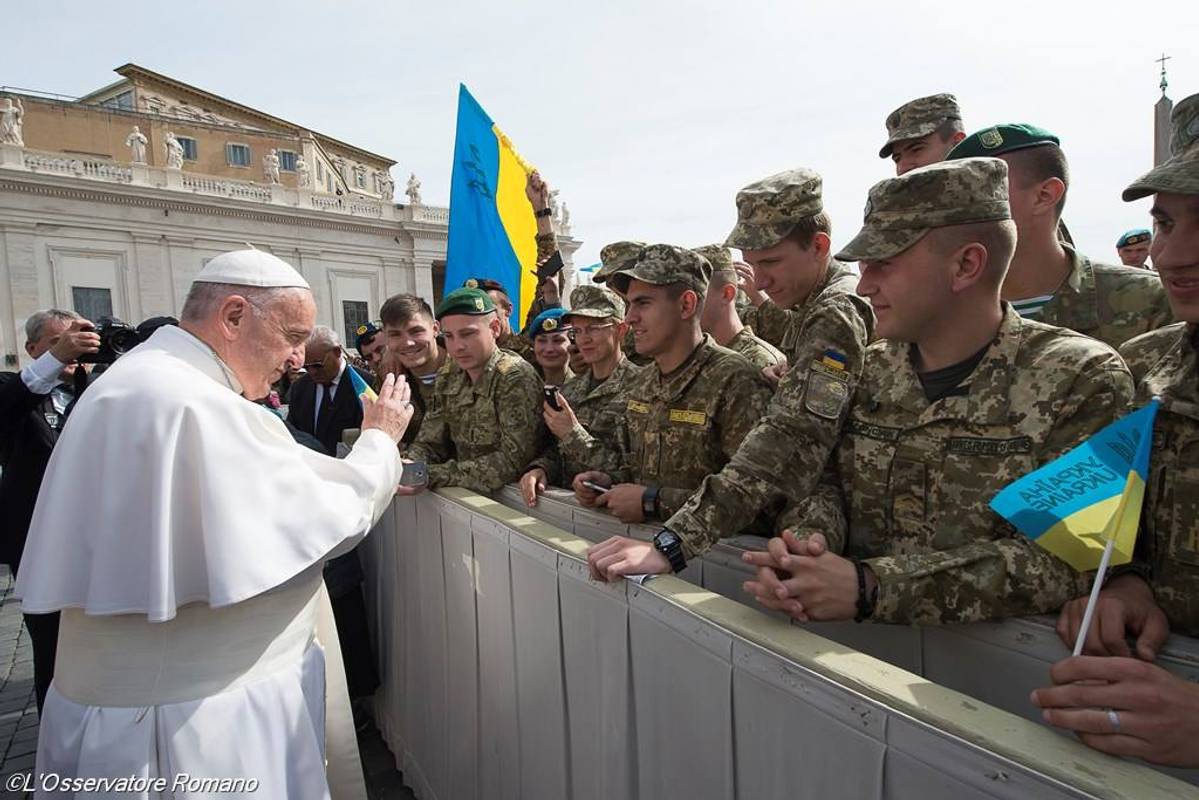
{"x":865,"y":603}
{"x":545,"y":212}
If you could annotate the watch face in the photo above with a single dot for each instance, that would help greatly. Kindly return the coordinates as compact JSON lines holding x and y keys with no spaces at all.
{"x":666,"y":539}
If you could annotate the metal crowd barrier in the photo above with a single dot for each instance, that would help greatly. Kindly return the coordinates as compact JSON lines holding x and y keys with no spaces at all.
{"x":507,"y":673}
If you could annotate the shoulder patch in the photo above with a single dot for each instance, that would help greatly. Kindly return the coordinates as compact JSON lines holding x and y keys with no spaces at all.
{"x":826,"y":392}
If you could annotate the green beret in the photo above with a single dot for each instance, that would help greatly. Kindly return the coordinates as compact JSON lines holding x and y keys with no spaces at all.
{"x":1002,"y":139}
{"x":472,"y":302}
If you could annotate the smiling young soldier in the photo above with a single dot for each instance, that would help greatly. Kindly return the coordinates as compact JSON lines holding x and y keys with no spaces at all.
{"x":483,"y":426}
{"x":588,"y":424}
{"x":1049,"y":280}
{"x":687,"y":412}
{"x":412,"y":350}
{"x":784,"y":233}
{"x":1126,"y":706}
{"x":961,"y":397}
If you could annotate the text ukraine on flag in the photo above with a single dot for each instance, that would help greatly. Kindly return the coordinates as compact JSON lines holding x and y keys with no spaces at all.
{"x":1073,"y":505}
{"x":492,"y":228}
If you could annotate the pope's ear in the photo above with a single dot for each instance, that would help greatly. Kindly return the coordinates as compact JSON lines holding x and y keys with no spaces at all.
{"x":232,"y":316}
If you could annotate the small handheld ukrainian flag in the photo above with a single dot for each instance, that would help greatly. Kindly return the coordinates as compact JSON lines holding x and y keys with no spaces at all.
{"x":361,"y":387}
{"x":1075,"y":505}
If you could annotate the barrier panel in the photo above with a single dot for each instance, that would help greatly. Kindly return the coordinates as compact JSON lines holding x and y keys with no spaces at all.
{"x":507,"y":673}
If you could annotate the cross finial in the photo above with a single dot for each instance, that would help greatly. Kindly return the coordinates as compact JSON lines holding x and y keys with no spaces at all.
{"x":1163,"y":61}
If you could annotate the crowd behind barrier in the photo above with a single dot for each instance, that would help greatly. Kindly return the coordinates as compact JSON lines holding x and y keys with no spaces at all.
{"x":508,"y":673}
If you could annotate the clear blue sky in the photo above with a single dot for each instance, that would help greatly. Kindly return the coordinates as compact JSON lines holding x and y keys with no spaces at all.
{"x":650,"y":115}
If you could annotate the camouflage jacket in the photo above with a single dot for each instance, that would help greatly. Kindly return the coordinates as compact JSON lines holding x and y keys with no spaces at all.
{"x":908,"y":487}
{"x":481,"y":435}
{"x":784,"y":327}
{"x":515,"y":343}
{"x":422,"y":398}
{"x":683,"y":426}
{"x":599,"y":407}
{"x":782,"y":457}
{"x":757,"y":351}
{"x":1111,"y":304}
{"x":1166,"y":365}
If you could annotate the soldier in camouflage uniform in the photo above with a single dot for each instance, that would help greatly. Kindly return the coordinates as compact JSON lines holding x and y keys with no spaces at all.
{"x":826,"y":328}
{"x":509,"y":339}
{"x":1122,"y":705}
{"x":612,"y":257}
{"x":686,"y":414}
{"x":1049,"y":280}
{"x":413,"y":351}
{"x":922,"y":132}
{"x":589,"y":425}
{"x":484,"y":425}
{"x":720,"y":319}
{"x":960,"y":398}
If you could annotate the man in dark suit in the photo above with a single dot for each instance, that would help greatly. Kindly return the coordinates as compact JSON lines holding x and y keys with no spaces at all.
{"x":323,"y":402}
{"x":33,"y":409}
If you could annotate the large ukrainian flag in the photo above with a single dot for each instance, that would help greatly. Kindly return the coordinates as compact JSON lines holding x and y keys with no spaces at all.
{"x":1073,"y":505}
{"x":492,"y":228}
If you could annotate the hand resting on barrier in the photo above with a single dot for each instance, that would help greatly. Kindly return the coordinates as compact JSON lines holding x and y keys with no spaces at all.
{"x":619,"y":556}
{"x":802,"y":578}
{"x":532,"y":483}
{"x":1126,"y":607}
{"x":1125,"y":707}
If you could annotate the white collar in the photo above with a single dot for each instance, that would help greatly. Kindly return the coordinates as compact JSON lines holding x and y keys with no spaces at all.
{"x":196,"y":352}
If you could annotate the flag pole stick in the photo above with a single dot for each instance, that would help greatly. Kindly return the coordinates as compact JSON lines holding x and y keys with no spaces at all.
{"x":1094,"y":598}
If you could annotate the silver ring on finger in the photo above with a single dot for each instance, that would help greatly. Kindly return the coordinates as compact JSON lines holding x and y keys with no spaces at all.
{"x":1113,"y":717}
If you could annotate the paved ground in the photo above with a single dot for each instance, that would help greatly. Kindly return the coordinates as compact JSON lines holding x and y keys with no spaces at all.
{"x":18,"y":712}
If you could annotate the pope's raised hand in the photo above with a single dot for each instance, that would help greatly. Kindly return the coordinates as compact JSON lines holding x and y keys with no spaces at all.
{"x":391,"y":411}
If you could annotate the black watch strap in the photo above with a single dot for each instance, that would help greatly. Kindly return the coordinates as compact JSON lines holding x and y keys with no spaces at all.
{"x":668,"y":543}
{"x":866,"y":602}
{"x":649,"y":502}
{"x":545,"y":212}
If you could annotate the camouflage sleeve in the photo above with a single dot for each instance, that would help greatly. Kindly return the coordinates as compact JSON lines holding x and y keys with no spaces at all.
{"x":1011,"y":575}
{"x":432,"y":444}
{"x":547,"y":245}
{"x":743,"y":404}
{"x":521,"y":434}
{"x":770,"y":322}
{"x":784,"y":455}
{"x":822,"y":511}
{"x":580,"y":446}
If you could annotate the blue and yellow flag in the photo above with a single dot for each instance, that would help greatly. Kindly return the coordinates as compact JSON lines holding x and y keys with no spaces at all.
{"x":493,"y":233}
{"x":1073,"y":505}
{"x":361,"y":387}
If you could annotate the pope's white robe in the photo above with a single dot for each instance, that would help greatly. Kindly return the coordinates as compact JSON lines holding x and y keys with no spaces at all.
{"x":182,"y":531}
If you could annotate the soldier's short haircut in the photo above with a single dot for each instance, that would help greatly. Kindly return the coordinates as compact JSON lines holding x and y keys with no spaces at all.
{"x":998,"y":237}
{"x":1035,"y":164}
{"x":37,"y":321}
{"x":400,"y":308}
{"x":806,"y":229}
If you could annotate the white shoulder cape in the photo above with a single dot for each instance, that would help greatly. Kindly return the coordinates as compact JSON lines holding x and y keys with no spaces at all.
{"x":167,"y":487}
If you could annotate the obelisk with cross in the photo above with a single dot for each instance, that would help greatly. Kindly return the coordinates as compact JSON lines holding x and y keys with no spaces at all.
{"x":1161,"y":118}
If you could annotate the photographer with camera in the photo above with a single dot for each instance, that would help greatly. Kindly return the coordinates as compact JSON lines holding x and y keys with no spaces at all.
{"x":33,"y":408}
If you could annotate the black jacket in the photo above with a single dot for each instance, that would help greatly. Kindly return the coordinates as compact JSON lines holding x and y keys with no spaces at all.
{"x":347,"y":411}
{"x":29,"y":427}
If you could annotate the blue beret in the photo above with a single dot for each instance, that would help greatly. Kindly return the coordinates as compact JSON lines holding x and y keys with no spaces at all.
{"x":1134,"y":236}
{"x":364,"y":333}
{"x":548,"y":321}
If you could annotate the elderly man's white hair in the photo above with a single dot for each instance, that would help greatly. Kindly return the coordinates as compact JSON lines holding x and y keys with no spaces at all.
{"x":323,"y":336}
{"x":203,"y":299}
{"x":37,"y":321}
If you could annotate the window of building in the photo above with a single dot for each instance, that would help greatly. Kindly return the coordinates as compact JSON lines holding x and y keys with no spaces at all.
{"x":355,"y":313}
{"x":91,"y":302}
{"x":329,"y":182}
{"x":237,"y":155}
{"x":360,"y":177}
{"x":320,"y":172}
{"x":287,"y":161}
{"x":189,"y":147}
{"x":123,"y":101}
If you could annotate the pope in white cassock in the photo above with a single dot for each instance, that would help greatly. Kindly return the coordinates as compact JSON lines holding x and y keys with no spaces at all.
{"x":181,"y":531}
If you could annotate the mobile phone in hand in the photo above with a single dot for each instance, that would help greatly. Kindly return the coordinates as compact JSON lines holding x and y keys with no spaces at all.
{"x":551,"y":397}
{"x":416,"y":473}
{"x":595,"y":487}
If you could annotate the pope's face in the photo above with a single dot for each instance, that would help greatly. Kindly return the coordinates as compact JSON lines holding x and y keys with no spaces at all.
{"x":470,"y":340}
{"x":1175,"y":251}
{"x":275,"y":342}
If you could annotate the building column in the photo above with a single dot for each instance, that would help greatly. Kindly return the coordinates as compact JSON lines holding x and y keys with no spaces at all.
{"x":156,"y":294}
{"x":18,"y":274}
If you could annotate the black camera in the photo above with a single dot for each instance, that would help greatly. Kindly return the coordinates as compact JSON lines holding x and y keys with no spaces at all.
{"x":116,"y":339}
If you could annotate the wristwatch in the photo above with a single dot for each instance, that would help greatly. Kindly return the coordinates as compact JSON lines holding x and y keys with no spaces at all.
{"x":545,"y":212}
{"x":866,"y":601}
{"x":671,"y":546}
{"x":649,"y":502}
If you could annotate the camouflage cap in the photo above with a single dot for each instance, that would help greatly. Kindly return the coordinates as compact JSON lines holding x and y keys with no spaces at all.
{"x":613,"y":256}
{"x":467,"y":300}
{"x":1000,"y":139}
{"x":596,"y":302}
{"x":665,"y":265}
{"x":719,"y":256}
{"x":901,"y":210}
{"x":767,"y":210}
{"x":917,"y":118}
{"x":1180,"y":173}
